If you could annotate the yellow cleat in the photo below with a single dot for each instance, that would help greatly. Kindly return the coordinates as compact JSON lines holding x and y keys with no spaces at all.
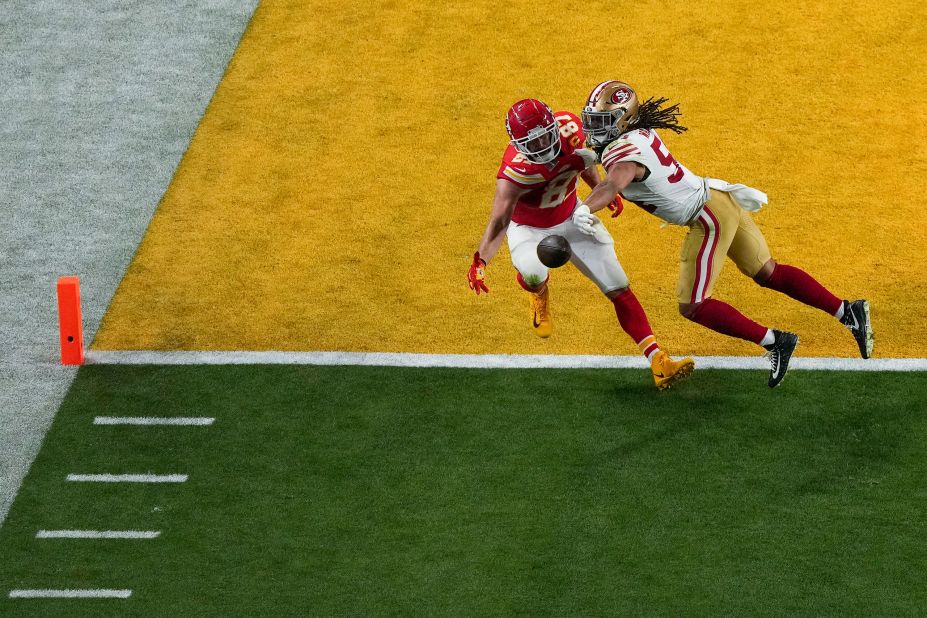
{"x":667,"y":372}
{"x":540,"y":313}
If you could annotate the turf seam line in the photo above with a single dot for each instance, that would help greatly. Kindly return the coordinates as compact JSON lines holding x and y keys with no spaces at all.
{"x":128,"y":478}
{"x":182,"y":421}
{"x":484,"y":361}
{"x":98,"y":534}
{"x":98,"y":593}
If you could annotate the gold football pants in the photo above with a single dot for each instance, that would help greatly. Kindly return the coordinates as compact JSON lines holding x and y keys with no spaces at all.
{"x":722,"y":228}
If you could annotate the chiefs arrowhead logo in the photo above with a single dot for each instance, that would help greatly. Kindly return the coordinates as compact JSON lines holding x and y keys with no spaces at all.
{"x":621,"y":96}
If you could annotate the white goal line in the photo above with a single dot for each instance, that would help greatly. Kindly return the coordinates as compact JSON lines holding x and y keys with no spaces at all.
{"x":483,"y":361}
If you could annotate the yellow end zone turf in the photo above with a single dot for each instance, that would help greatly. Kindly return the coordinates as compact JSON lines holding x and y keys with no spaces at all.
{"x":342,"y":175}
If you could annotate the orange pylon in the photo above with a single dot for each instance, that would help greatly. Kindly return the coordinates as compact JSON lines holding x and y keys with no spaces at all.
{"x":69,"y":321}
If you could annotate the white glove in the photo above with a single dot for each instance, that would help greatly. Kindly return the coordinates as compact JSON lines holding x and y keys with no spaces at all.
{"x":584,"y":219}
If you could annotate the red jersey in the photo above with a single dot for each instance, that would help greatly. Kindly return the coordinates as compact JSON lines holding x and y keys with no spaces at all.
{"x":552,"y":186}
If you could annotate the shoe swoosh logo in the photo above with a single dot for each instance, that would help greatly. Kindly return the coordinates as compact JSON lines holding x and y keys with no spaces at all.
{"x":535,"y":320}
{"x":855,"y":321}
{"x":776,"y":372}
{"x":659,"y":375}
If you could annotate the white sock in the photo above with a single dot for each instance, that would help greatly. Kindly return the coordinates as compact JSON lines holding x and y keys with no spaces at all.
{"x":839,"y":314}
{"x":768,"y":339}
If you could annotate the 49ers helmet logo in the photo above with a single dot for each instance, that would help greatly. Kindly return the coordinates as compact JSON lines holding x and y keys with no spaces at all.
{"x":621,"y":95}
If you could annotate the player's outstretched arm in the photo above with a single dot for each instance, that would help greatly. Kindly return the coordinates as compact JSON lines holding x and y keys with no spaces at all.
{"x":503,"y":204}
{"x":592,"y":178}
{"x":618,"y":176}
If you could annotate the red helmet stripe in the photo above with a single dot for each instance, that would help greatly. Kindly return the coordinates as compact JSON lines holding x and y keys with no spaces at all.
{"x":598,"y":89}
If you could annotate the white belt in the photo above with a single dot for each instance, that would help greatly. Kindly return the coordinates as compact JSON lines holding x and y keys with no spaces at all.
{"x":748,"y":198}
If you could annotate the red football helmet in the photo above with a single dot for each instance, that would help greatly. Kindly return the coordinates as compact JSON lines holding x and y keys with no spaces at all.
{"x":533,"y":130}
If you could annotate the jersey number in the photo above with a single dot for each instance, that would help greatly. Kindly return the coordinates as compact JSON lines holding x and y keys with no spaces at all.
{"x":569,"y":130}
{"x":667,"y":160}
{"x":557,"y":190}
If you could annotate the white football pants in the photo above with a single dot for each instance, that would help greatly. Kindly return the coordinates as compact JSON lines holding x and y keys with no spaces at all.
{"x":594,"y":256}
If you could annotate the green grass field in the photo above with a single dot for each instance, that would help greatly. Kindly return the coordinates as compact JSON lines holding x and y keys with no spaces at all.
{"x":380,"y":491}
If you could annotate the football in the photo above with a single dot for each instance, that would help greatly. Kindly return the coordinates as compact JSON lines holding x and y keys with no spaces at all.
{"x":554,"y":251}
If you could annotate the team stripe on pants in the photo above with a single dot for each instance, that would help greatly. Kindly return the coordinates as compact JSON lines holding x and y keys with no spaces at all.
{"x":706,"y":252}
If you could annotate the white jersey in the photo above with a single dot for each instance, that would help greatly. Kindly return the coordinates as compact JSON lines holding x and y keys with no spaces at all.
{"x":668,"y":190}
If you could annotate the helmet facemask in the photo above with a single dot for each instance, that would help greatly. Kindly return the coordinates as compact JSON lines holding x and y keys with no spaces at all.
{"x":603,"y":127}
{"x":541,"y":144}
{"x":599,"y":127}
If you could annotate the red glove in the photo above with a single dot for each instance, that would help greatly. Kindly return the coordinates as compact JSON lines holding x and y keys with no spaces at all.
{"x":617,"y":206}
{"x":475,"y":276}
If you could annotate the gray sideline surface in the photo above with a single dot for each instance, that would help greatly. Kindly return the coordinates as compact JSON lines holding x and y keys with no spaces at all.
{"x":99,"y":100}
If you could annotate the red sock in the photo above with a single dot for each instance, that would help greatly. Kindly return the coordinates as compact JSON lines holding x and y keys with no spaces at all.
{"x":802,"y":287}
{"x":633,"y":320}
{"x":722,"y":318}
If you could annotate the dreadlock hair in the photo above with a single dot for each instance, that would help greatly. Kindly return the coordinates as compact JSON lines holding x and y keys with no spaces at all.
{"x":650,"y":116}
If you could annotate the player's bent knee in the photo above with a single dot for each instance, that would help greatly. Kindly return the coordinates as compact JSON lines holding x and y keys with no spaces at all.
{"x":765,"y":272}
{"x":612,"y":294}
{"x":688,"y":310}
{"x":533,"y":281}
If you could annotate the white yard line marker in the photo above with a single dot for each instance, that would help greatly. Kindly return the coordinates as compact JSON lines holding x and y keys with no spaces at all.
{"x":153,"y":420}
{"x":98,"y":534}
{"x":101,"y":593}
{"x":485,"y":361}
{"x":128,"y":478}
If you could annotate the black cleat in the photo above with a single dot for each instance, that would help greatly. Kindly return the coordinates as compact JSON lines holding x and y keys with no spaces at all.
{"x":856,"y":318}
{"x":779,"y":354}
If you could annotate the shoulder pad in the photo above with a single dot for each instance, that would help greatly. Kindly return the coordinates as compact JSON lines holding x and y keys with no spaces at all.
{"x":623,"y":148}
